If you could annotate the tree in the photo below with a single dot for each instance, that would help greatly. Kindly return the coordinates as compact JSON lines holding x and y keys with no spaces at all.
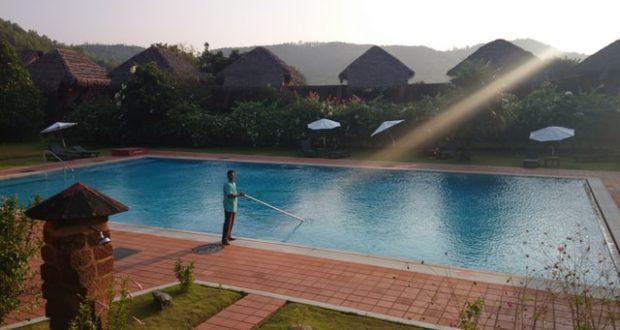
{"x":556,"y":69}
{"x":101,"y":121}
{"x":473,"y":75}
{"x":212,"y":63}
{"x":145,"y":101}
{"x":18,"y":244}
{"x":20,"y":100}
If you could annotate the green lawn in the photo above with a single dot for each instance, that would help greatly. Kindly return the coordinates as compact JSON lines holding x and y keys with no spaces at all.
{"x":22,"y":154}
{"x":325,"y":319}
{"x":27,"y":153}
{"x":187,"y":310}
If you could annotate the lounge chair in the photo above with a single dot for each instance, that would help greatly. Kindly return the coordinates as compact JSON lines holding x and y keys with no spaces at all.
{"x":57,"y":149}
{"x":339,"y":153}
{"x":307,"y":150}
{"x":463,"y":155}
{"x":82,"y":152}
{"x":531,"y":160}
{"x":448,"y":152}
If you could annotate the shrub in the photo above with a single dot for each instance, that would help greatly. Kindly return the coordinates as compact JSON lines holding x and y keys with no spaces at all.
{"x":20,"y":101}
{"x":469,"y":315}
{"x":118,"y":311}
{"x":86,"y":318}
{"x":185,"y":274}
{"x":19,"y":242}
{"x":576,"y":280}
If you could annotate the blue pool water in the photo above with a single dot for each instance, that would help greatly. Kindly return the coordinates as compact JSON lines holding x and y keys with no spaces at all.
{"x":469,"y":220}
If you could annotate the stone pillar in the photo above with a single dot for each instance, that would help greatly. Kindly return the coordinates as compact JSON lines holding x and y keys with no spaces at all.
{"x":77,"y":263}
{"x":74,"y":266}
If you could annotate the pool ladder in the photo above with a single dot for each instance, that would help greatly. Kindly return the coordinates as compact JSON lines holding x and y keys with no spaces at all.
{"x":64,"y":163}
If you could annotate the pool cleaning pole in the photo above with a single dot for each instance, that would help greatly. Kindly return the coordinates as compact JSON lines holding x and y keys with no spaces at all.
{"x":273,"y":207}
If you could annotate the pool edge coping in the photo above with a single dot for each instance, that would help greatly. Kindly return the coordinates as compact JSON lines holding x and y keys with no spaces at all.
{"x":609,"y":218}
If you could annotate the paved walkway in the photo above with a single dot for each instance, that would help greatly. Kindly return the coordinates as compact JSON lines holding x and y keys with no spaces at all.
{"x":247,"y":313}
{"x":398,"y":293}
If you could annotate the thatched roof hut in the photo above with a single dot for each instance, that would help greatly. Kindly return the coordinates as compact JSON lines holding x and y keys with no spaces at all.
{"x":163,"y":58}
{"x":260,"y":68}
{"x":27,"y":56}
{"x":501,"y":56}
{"x":66,"y":68}
{"x":603,"y":63}
{"x":376,"y":68}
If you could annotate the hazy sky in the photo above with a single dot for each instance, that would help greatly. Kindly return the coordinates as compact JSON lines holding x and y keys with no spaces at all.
{"x":583,"y":26}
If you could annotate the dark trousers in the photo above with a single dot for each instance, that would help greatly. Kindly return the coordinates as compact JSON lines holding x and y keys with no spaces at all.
{"x":229,"y":220}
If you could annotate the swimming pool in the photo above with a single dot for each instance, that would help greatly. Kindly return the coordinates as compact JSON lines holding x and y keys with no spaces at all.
{"x":478,"y":221}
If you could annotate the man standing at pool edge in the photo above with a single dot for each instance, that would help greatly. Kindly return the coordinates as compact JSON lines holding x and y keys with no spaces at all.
{"x":230,"y":207}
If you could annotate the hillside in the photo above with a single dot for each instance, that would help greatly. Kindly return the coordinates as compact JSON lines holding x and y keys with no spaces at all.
{"x":321,"y":62}
{"x":22,"y":39}
{"x":113,"y":55}
{"x":107,"y":55}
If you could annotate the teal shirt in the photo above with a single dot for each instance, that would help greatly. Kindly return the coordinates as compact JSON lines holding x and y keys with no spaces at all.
{"x":230,"y":204}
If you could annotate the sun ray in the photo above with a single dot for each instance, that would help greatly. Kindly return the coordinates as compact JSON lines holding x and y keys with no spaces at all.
{"x":460,"y":111}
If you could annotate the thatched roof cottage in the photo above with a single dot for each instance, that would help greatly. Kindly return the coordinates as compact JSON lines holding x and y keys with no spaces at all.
{"x":376,"y":68}
{"x":260,"y":68}
{"x":501,"y":56}
{"x":165,"y":59}
{"x":66,"y":71}
{"x":602,"y":64}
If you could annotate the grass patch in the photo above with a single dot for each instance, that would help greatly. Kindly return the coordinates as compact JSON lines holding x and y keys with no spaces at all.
{"x":27,"y":153}
{"x":186,"y":312}
{"x":321,"y":318}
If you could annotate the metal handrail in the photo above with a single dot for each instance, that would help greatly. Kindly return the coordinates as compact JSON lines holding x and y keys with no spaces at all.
{"x":64,"y":163}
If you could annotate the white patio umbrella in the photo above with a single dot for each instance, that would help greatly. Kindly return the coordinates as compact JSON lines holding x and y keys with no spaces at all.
{"x":58,"y":127}
{"x":322,"y":124}
{"x":552,"y":133}
{"x":385,"y":126}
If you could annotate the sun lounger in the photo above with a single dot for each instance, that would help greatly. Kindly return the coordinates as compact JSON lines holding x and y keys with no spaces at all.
{"x":339,"y":153}
{"x":57,"y":149}
{"x":82,"y":152}
{"x":448,"y":152}
{"x":307,"y":150}
{"x":531,"y":160}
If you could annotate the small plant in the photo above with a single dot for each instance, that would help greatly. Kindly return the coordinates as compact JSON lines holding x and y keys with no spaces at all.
{"x":469,"y":315}
{"x":86,"y":319}
{"x":118,"y":311}
{"x":185,"y":274}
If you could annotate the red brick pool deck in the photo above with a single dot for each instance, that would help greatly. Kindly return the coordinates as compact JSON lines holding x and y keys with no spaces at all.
{"x":403,"y":294}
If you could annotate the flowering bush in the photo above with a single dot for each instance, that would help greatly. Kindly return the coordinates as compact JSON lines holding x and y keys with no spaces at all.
{"x":153,"y":108}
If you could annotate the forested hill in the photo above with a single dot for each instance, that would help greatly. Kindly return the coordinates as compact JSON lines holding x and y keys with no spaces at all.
{"x":107,"y":55}
{"x":113,"y":55}
{"x":321,"y":62}
{"x":22,"y":39}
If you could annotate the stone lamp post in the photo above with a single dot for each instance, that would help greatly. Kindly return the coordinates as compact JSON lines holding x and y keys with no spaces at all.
{"x":77,"y":254}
